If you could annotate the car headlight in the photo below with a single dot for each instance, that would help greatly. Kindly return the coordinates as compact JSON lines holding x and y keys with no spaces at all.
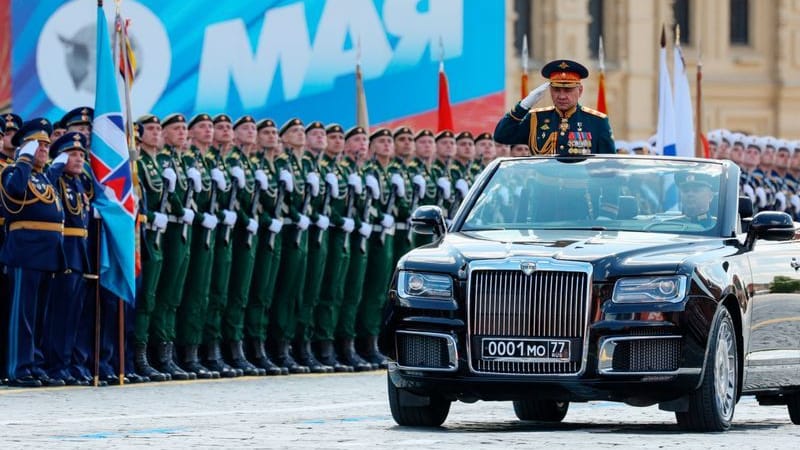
{"x":427,"y":285}
{"x":650,"y":290}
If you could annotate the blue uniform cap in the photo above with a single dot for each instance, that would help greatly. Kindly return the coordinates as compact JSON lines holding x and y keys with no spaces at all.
{"x":79,"y":116}
{"x":11,"y":122}
{"x":38,"y":129}
{"x":69,"y":142}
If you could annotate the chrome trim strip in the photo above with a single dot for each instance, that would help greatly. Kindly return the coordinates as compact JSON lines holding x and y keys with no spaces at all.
{"x":542,"y":265}
{"x":452,"y":351}
{"x":605,"y":356}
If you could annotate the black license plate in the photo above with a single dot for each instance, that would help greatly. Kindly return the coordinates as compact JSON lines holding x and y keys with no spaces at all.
{"x":525,"y":350}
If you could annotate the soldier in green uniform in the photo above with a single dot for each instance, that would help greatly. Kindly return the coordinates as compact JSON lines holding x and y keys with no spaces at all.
{"x":221,"y":265}
{"x":268,"y":251}
{"x":175,"y":246}
{"x":155,"y":197}
{"x":567,"y":128}
{"x":485,"y":151}
{"x":355,"y":148}
{"x":392,"y":203}
{"x":192,"y":312}
{"x":425,"y":184}
{"x":316,"y":141}
{"x":341,"y":210}
{"x":460,"y":169}
{"x":294,"y":250}
{"x":440,"y":169}
{"x":244,"y":242}
{"x":404,"y":156}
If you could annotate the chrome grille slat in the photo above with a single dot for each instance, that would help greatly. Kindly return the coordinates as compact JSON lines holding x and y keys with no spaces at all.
{"x":504,"y":302}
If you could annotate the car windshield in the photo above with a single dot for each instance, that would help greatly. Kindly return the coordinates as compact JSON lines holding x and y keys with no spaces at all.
{"x":618,"y":194}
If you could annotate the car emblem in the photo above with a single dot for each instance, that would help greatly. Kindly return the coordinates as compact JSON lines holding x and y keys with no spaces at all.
{"x":528,"y":267}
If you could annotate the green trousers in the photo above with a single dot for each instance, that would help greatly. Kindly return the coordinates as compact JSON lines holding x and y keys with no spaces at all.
{"x":218,"y":290}
{"x":402,"y":245}
{"x":289,"y":287}
{"x":192,"y":312}
{"x":326,"y":314}
{"x":262,"y":288}
{"x":242,"y":262}
{"x":354,"y":281}
{"x":315,"y":270}
{"x":176,"y":254}
{"x":377,"y":277}
{"x":146,"y":296}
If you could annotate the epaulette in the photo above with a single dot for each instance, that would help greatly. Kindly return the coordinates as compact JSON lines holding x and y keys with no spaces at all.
{"x":593,"y":112}
{"x":283,"y":156}
{"x":542,"y":109}
{"x":190,"y":154}
{"x":210,"y":156}
{"x":254,"y":159}
{"x":234,"y":155}
{"x":164,"y":151}
{"x":345,"y":162}
{"x":323,"y":163}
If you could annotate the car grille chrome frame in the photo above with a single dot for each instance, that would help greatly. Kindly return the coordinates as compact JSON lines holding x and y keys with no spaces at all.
{"x":420,"y":350}
{"x":553,"y":302}
{"x":640,"y":355}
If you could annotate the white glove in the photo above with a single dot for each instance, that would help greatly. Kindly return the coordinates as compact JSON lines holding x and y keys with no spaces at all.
{"x":252,"y":226}
{"x":238,"y":174}
{"x":365,"y":230}
{"x":29,"y":148}
{"x":287,"y":179}
{"x":349,"y":225}
{"x":210,"y":221}
{"x":171,"y":177}
{"x":313,"y":181}
{"x":534,"y":96}
{"x":355,"y":181}
{"x":275,"y":226}
{"x":795,"y":201}
{"x":333,"y":184}
{"x":218,"y":177}
{"x":372,"y":186}
{"x":303,"y":222}
{"x":159,"y":221}
{"x":228,"y":217}
{"x":261,"y":178}
{"x":96,"y":214}
{"x":748,"y":191}
{"x":399,"y":185}
{"x":781,"y":199}
{"x":188,"y":216}
{"x":387,"y":221}
{"x":419,"y":182}
{"x":61,"y":159}
{"x":462,"y":187}
{"x":323,"y":222}
{"x":762,"y":197}
{"x":444,"y":184}
{"x":194,"y":175}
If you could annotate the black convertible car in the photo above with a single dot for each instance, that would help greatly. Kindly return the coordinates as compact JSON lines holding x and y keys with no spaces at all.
{"x":636,"y":279}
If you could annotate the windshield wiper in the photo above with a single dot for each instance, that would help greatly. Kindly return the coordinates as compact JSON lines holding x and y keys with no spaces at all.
{"x":592,"y":228}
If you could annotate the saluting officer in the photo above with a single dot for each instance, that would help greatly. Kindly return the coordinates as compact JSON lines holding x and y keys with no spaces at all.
{"x":33,"y":249}
{"x":567,"y":128}
{"x":6,"y":158}
{"x":12,"y":123}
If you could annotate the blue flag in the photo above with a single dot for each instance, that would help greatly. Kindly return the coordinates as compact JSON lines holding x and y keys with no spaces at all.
{"x":110,"y":163}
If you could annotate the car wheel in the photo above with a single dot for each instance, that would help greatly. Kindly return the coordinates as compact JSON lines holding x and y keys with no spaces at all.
{"x":541,"y":410}
{"x":793,"y":403}
{"x":711,"y":406}
{"x":431,"y":415}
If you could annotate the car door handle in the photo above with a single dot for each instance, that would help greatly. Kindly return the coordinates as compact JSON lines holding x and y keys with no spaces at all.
{"x":795,"y":264}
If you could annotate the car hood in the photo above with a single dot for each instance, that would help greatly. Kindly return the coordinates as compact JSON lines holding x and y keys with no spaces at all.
{"x":610,"y":252}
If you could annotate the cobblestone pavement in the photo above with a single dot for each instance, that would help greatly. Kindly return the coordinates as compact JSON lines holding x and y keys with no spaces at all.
{"x":338,"y":411}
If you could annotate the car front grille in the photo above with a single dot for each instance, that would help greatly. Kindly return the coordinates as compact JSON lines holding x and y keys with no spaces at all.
{"x":547,"y":304}
{"x":647,"y":355}
{"x":425,"y":351}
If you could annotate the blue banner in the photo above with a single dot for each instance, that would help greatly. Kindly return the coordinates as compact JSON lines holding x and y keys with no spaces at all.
{"x":276,"y":59}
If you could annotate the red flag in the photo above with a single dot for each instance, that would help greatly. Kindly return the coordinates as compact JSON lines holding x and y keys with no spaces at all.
{"x":445,"y":113}
{"x":524,"y":57}
{"x":601,"y":94}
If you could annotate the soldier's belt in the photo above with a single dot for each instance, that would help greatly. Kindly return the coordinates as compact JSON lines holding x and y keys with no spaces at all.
{"x":402,"y":226}
{"x":173,"y":219}
{"x":37,"y":225}
{"x":76,"y":232}
{"x":379,"y":229}
{"x":2,"y":221}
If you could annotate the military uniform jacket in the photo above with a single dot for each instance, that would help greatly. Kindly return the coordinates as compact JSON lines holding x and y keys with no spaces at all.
{"x":76,"y":222}
{"x":382,"y":205}
{"x":214,"y":159}
{"x":151,"y":183}
{"x":168,"y":157}
{"x":337,"y":209}
{"x":202,"y":200}
{"x":418,"y":167}
{"x":244,"y":195}
{"x":310,"y":164}
{"x":34,"y":218}
{"x":349,"y":166}
{"x":441,"y":169}
{"x":402,"y":208}
{"x":547,"y":131}
{"x":293,"y":203}
{"x":267,"y":199}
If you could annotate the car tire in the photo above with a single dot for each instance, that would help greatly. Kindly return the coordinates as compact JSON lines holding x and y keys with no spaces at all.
{"x":793,"y":404}
{"x":711,"y":406}
{"x":431,"y":415}
{"x":541,"y":410}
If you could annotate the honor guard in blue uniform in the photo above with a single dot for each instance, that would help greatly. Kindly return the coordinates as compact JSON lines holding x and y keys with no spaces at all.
{"x":33,"y":249}
{"x":65,"y":303}
{"x":11,"y":124}
{"x":567,"y":127}
{"x":6,"y":158}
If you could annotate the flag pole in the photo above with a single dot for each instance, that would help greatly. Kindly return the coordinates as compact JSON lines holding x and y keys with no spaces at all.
{"x":699,"y":148}
{"x":524,"y":57}
{"x":97,"y":306}
{"x":601,"y":83}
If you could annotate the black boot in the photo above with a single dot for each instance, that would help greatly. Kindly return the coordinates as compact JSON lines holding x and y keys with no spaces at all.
{"x":238,"y":361}
{"x":191,"y":363}
{"x":326,"y":355}
{"x":135,"y":378}
{"x":283,"y":358}
{"x":348,"y":356}
{"x":214,"y":361}
{"x":142,"y":366}
{"x":258,"y":356}
{"x":304,"y":356}
{"x":372,"y":354}
{"x":165,"y":363}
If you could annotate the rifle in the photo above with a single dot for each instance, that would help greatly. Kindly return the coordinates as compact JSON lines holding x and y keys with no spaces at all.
{"x":389,"y":207}
{"x":414,"y":203}
{"x":326,"y":206}
{"x":303,"y":208}
{"x":254,"y":210}
{"x":278,"y":213}
{"x":212,"y":210}
{"x":349,"y":210}
{"x":365,"y":219}
{"x":231,"y":207}
{"x":162,"y":207}
{"x":187,"y":203}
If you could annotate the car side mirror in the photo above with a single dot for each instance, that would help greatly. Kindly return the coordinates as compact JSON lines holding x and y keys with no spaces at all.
{"x":771,"y":226}
{"x":745,"y":212}
{"x":428,"y":219}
